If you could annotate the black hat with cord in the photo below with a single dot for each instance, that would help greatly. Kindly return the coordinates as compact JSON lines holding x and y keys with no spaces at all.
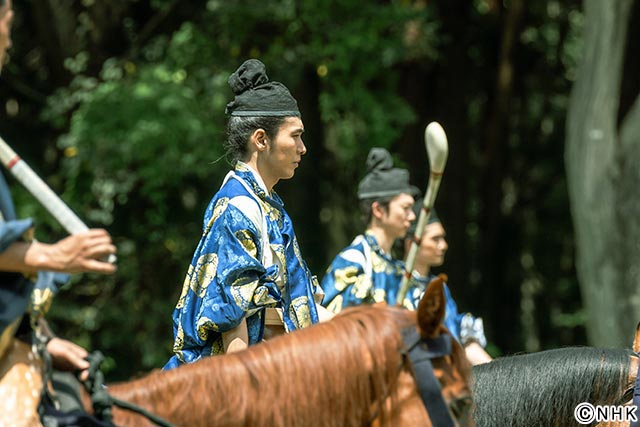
{"x":256,"y":96}
{"x":382,"y":179}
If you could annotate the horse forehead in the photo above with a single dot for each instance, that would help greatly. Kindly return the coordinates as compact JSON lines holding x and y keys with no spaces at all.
{"x":452,"y":379}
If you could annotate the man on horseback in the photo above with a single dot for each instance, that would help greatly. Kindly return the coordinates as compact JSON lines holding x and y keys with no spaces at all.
{"x":465,"y":327}
{"x":29,"y":277}
{"x":365,"y":271}
{"x":248,"y":260}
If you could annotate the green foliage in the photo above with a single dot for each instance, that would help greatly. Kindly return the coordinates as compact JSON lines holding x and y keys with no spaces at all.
{"x":140,"y":156}
{"x":355,"y":60}
{"x":144,"y":135}
{"x":139,"y":130}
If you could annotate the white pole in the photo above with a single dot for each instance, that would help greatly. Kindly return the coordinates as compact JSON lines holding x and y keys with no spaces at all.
{"x":437,"y":150}
{"x":41,"y":191}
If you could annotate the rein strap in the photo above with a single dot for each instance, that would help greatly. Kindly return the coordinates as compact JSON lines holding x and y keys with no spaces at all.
{"x":103,"y":401}
{"x":420,"y":352}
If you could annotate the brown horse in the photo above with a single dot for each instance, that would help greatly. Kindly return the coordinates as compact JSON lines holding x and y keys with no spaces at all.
{"x":350,"y":371}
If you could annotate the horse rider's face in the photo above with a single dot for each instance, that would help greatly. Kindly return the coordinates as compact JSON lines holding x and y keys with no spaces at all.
{"x":6,"y":20}
{"x":433,"y":246}
{"x":282,"y":156}
{"x":399,"y":215}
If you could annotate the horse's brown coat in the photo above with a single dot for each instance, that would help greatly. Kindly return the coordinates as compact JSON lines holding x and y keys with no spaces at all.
{"x":349,"y":371}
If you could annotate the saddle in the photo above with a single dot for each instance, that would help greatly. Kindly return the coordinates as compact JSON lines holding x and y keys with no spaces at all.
{"x":22,"y":401}
{"x":273,"y":323}
{"x":21,"y":385}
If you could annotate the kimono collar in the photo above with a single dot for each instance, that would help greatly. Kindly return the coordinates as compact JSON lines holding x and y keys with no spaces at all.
{"x":257,"y":183}
{"x":373,"y":243}
{"x":421,"y":280}
{"x":254,"y":180}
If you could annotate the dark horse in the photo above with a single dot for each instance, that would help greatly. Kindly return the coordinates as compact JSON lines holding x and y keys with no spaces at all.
{"x":543,"y":389}
{"x":350,"y":371}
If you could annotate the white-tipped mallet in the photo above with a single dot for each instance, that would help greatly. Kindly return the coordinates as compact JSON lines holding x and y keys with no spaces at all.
{"x":42,"y":192}
{"x":437,"y":151}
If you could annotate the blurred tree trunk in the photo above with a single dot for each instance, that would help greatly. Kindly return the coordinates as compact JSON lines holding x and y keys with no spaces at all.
{"x":602,"y":156}
{"x":56,"y":27}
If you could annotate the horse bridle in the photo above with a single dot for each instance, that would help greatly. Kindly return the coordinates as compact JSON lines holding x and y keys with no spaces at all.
{"x":420,"y":352}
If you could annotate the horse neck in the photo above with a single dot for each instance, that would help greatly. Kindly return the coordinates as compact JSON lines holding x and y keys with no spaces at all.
{"x":329,"y":375}
{"x":152,"y":387}
{"x":165,"y":394}
{"x":516,"y":390}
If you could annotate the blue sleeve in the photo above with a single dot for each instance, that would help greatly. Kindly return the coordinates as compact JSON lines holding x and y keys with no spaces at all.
{"x":463,"y":326}
{"x":11,"y":231}
{"x":345,"y":283}
{"x":452,"y":317}
{"x":15,"y":288}
{"x":242,"y":283}
{"x":226,"y":281}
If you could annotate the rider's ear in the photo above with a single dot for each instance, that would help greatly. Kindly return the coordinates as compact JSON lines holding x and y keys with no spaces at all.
{"x":259,"y":139}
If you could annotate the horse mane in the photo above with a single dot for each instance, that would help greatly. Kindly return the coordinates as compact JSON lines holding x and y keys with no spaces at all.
{"x":542,"y":389}
{"x":357,"y":356}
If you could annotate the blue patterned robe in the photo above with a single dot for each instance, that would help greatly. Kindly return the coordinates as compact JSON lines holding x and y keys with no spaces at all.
{"x":237,"y":271}
{"x":463,"y":326}
{"x":363,"y":273}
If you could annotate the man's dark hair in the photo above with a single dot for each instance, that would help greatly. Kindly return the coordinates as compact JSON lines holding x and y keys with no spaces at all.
{"x":240,"y":129}
{"x":365,"y":207}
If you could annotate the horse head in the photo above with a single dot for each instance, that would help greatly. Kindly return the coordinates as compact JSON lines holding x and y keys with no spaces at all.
{"x":450,"y":367}
{"x":633,"y":383}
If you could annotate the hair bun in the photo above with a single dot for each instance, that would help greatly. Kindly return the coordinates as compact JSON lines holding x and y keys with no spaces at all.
{"x":379,"y":159}
{"x":250,"y":74}
{"x":382,"y":179}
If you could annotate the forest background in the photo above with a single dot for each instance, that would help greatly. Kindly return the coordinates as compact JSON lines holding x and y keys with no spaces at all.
{"x":119,"y":106}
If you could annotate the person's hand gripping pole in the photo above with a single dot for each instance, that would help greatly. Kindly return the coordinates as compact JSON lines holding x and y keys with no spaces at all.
{"x":41,"y":191}
{"x":437,"y":150}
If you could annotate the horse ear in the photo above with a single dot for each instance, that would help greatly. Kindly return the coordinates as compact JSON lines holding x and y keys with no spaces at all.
{"x":432,"y":307}
{"x":636,"y":340}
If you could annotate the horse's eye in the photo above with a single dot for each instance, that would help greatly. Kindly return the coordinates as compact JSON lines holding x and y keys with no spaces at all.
{"x":460,"y":406}
{"x":626,"y":397}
